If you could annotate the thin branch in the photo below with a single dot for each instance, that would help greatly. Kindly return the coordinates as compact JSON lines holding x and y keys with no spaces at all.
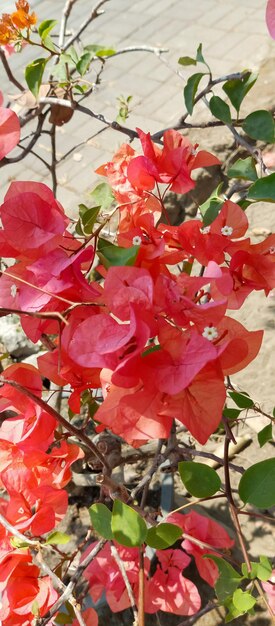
{"x":235,"y":519}
{"x":141,"y":589}
{"x":93,"y":15}
{"x":44,"y":315}
{"x":77,"y":432}
{"x":158,"y":459}
{"x":16,"y":533}
{"x":208,"y":455}
{"x":189,"y":621}
{"x":152,"y":49}
{"x":99,"y":116}
{"x":31,"y":144}
{"x":71,"y":585}
{"x":53,"y":156}
{"x":8,"y":71}
{"x":65,"y":16}
{"x":123,"y":572}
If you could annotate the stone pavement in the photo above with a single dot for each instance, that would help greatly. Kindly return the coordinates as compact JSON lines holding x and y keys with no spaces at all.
{"x":234,"y":37}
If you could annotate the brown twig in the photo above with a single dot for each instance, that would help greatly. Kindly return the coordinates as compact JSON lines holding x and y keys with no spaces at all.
{"x":67,"y":593}
{"x":93,"y":15}
{"x":141,"y":587}
{"x":8,"y":71}
{"x":53,"y":157}
{"x":16,"y":533}
{"x":77,"y":432}
{"x":235,"y":519}
{"x":31,"y":144}
{"x":123,"y":572}
{"x":64,"y":19}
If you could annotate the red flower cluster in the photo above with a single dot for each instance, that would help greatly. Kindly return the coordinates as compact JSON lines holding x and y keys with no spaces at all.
{"x":11,"y":24}
{"x":157,"y":342}
{"x":166,"y":589}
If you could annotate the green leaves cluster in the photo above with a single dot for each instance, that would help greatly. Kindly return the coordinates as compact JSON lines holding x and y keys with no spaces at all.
{"x":229,"y":585}
{"x":127,"y":527}
{"x":102,"y":199}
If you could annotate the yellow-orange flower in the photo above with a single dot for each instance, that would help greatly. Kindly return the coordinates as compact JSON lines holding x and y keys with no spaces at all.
{"x":12,"y":24}
{"x":22,"y":18}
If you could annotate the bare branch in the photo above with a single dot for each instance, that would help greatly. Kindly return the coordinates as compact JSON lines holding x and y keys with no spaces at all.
{"x":123,"y":572}
{"x":93,"y":15}
{"x":65,"y":16}
{"x":53,"y":155}
{"x":70,"y":587}
{"x":31,"y":144}
{"x":77,"y":432}
{"x":16,"y":533}
{"x":8,"y":71}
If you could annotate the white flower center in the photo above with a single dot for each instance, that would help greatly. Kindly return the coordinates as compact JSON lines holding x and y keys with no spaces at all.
{"x":13,"y":291}
{"x":21,"y":510}
{"x":205,"y":230}
{"x":210,"y":333}
{"x":63,"y":464}
{"x":227,"y":230}
{"x":137,"y":240}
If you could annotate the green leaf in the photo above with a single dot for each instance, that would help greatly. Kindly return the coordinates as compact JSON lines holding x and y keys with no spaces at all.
{"x":150,"y":349}
{"x":187,"y":61}
{"x":259,"y":125}
{"x":100,"y":51}
{"x":261,"y":570}
{"x":18,"y":543}
{"x":163,"y":536}
{"x":233,"y":613}
{"x":45,"y":28}
{"x":228,"y":580}
{"x":264,"y":570}
{"x":88,"y":218}
{"x":83,"y":64}
{"x":265,"y":435}
{"x":210,"y":210}
{"x":72,"y":54}
{"x":200,"y":58}
{"x":244,"y":204}
{"x":129,"y":528}
{"x":241,"y":400}
{"x":57,"y":538}
{"x":34,"y":74}
{"x":243,"y":601}
{"x":110,"y":254}
{"x":190,"y":91}
{"x":103,"y":196}
{"x":231,"y":414}
{"x":243,"y":168}
{"x":257,"y":484}
{"x":199,"y":479}
{"x":35,"y":608}
{"x":101,"y":520}
{"x":263,"y":189}
{"x":237,"y":89}
{"x":63,"y":618}
{"x":220,"y":109}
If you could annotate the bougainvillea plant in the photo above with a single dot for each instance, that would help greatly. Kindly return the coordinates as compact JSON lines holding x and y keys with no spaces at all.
{"x":137,"y":328}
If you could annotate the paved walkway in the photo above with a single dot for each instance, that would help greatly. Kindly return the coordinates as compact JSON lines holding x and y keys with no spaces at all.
{"x":233,"y":35}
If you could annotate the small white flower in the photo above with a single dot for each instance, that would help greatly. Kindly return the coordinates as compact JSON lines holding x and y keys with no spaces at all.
{"x":205,"y":230}
{"x":13,"y":291}
{"x":21,"y":510}
{"x":227,"y":230}
{"x":272,"y":250}
{"x":210,"y":332}
{"x":63,"y":464}
{"x":137,"y":240}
